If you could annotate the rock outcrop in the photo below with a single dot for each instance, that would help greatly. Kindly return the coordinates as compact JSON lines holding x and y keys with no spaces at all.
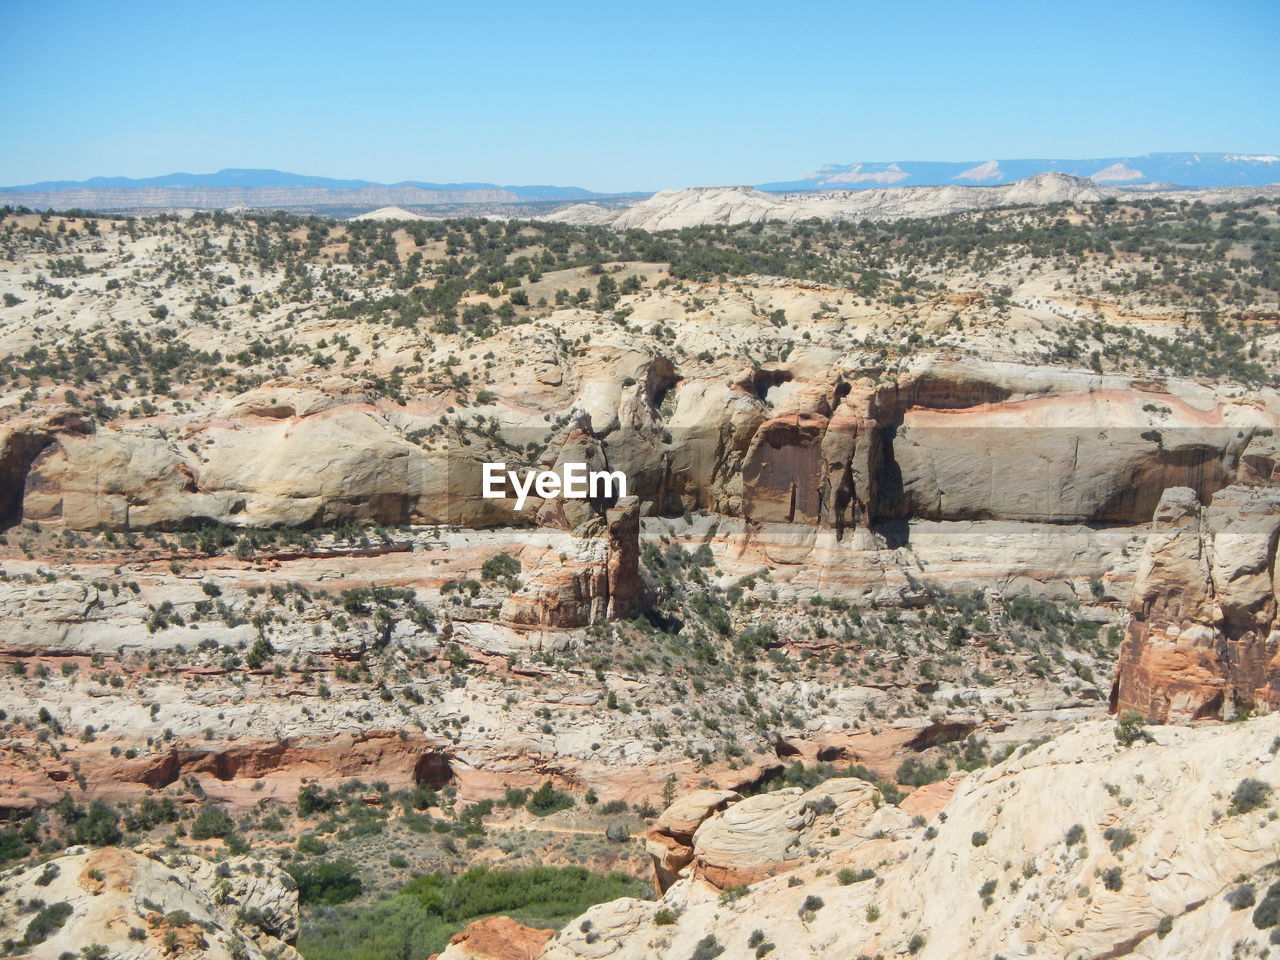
{"x":669,"y":842}
{"x":1203,"y":640}
{"x":137,"y":905}
{"x":805,"y":442}
{"x":777,"y":832}
{"x":496,"y":938}
{"x":600,"y":582}
{"x":697,"y":206}
{"x":1079,"y":847}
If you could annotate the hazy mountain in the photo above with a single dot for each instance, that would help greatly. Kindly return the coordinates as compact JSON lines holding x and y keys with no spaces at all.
{"x":265,"y":188}
{"x":1181,"y":169}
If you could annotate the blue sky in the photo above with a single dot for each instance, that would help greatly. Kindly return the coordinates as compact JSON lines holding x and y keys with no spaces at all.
{"x":614,"y":96}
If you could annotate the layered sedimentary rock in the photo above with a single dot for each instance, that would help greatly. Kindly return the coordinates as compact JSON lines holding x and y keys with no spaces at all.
{"x":132,"y":903}
{"x":779,"y":831}
{"x":600,"y":582}
{"x":496,"y":938}
{"x":669,"y":842}
{"x":1202,"y":640}
{"x":1022,"y":861}
{"x":807,"y":442}
{"x":239,"y":773}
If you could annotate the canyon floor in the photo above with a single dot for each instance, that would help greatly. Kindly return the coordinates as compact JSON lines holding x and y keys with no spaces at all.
{"x":937,"y":618}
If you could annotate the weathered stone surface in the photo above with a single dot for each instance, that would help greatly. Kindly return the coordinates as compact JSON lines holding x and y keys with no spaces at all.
{"x":1187,"y":852}
{"x":775,"y":832}
{"x":112,"y":890}
{"x":601,"y":581}
{"x":669,"y":842}
{"x":496,"y":938}
{"x":1202,"y":638}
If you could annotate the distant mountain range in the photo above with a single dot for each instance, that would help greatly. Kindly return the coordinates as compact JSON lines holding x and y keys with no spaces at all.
{"x":266,"y":179}
{"x":276,"y":189}
{"x":1171,"y":169}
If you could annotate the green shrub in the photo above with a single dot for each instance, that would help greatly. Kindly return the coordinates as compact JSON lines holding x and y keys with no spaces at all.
{"x":665,"y":917}
{"x":979,"y":838}
{"x":99,"y":827}
{"x":419,"y":919}
{"x":326,"y":881}
{"x":310,"y":845}
{"x":212,"y":821}
{"x":1120,"y":838}
{"x":812,"y":904}
{"x":1249,"y":795}
{"x":1131,"y":728}
{"x":1241,"y":897}
{"x":547,"y":800}
{"x":707,"y":949}
{"x":47,"y":921}
{"x":1268,"y":913}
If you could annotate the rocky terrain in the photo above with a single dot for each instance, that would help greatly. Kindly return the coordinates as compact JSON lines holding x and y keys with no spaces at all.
{"x":1133,"y":858}
{"x":112,"y":902}
{"x":701,"y":206}
{"x":900,"y":497}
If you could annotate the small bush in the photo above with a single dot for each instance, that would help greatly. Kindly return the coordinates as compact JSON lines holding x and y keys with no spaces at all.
{"x":1120,"y":838}
{"x":1075,"y":833}
{"x":212,"y":821}
{"x":547,"y":800}
{"x":664,"y":917}
{"x":1242,"y":897}
{"x":979,"y":838}
{"x":1113,"y":878}
{"x":708,"y":948}
{"x":1132,"y":728}
{"x":1268,"y":913}
{"x":1249,"y":795}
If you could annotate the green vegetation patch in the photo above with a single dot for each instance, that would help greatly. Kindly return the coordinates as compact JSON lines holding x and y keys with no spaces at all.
{"x":418,"y":920}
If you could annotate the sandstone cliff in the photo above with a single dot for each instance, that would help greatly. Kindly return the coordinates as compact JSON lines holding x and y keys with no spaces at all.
{"x":1202,"y":641}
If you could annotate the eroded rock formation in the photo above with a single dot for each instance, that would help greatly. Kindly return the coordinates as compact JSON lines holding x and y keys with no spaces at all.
{"x":1000,"y":871}
{"x":1202,"y":638}
{"x":496,"y":938}
{"x":669,"y":842}
{"x":600,"y":582}
{"x":809,"y":442}
{"x":248,"y":911}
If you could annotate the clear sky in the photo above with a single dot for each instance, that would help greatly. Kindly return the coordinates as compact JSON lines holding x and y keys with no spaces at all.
{"x":618,"y":96}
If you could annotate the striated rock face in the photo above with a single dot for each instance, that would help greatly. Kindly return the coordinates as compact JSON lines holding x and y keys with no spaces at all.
{"x":496,"y":938}
{"x":602,"y":582}
{"x":776,"y":832}
{"x":1202,"y":640}
{"x":804,"y":442}
{"x":1183,"y":848}
{"x":232,"y":770}
{"x":111,"y":891}
{"x":669,"y":842}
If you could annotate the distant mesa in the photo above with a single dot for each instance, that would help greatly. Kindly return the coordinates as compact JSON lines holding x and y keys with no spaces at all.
{"x":1179,"y":169}
{"x":389,"y":213}
{"x":982,"y":172}
{"x":889,"y":175}
{"x":1117,"y":173}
